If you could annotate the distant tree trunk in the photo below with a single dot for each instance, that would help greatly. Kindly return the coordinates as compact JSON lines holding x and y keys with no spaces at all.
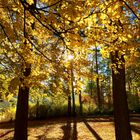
{"x":37,"y":108}
{"x":97,"y":80}
{"x":121,"y":113}
{"x":102,"y":96}
{"x":110,"y":94}
{"x":81,"y":104}
{"x":109,"y":100}
{"x":21,"y":121}
{"x":137,"y":92}
{"x":91,"y":89}
{"x":91,"y":80}
{"x":129,"y":86}
{"x":72,"y":90}
{"x":69,"y":105}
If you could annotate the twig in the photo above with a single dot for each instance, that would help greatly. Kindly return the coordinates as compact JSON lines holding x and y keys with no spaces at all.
{"x":49,"y":5}
{"x":39,"y":50}
{"x":131,"y":9}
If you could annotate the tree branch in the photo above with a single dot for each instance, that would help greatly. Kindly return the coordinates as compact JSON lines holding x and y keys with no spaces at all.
{"x":49,"y":5}
{"x":3,"y":28}
{"x":131,"y":9}
{"x":39,"y":50}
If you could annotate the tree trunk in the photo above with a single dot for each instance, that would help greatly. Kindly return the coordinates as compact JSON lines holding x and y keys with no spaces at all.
{"x":97,"y":81}
{"x":102,"y":96}
{"x":21,"y":121}
{"x":80,"y":102}
{"x":121,"y":113}
{"x":110,"y":94}
{"x":69,"y":105}
{"x":37,"y":109}
{"x":72,"y":90}
{"x":129,"y":86}
{"x":91,"y":89}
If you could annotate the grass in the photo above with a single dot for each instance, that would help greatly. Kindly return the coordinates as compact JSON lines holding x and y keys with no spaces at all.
{"x":98,"y":128}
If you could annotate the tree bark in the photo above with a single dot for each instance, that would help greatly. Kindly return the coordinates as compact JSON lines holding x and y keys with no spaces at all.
{"x":121,"y":113}
{"x":21,"y":121}
{"x":81,"y":104}
{"x":91,"y":89}
{"x":72,"y":90}
{"x":37,"y":108}
{"x":69,"y":105}
{"x":97,"y":81}
{"x":129,"y":86}
{"x":110,"y":94}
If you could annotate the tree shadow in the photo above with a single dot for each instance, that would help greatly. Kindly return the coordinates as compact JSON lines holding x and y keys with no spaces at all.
{"x":135,"y":118}
{"x":41,"y":137}
{"x":7,"y":125}
{"x":31,"y":124}
{"x":6,"y":133}
{"x":74,"y":129}
{"x":70,"y":130}
{"x":94,"y":133}
{"x":135,"y":128}
{"x":100,"y":119}
{"x":39,"y":123}
{"x":66,"y":130}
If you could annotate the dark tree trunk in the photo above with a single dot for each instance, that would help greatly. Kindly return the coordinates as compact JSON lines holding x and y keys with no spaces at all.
{"x":73,"y":102}
{"x":102,"y":96}
{"x":91,"y":80}
{"x":129,"y":86}
{"x":98,"y":93}
{"x":109,"y":101}
{"x":69,"y":105}
{"x":80,"y":102}
{"x":21,"y":121}
{"x":121,"y":113}
{"x":110,"y":94}
{"x":72,"y":90}
{"x":97,"y":81}
{"x":91,"y":89}
{"x":37,"y":109}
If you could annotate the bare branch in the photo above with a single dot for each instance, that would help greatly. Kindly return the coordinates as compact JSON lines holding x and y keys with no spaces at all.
{"x":131,"y":9}
{"x":49,"y":5}
{"x":39,"y":50}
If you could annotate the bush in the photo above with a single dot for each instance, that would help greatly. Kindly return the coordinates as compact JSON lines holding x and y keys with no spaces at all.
{"x":44,"y":111}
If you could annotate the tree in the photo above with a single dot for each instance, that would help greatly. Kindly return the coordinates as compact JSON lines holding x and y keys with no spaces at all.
{"x":23,"y":94}
{"x":117,"y":37}
{"x":72,"y":89}
{"x":121,"y":114}
{"x":81,"y":103}
{"x":22,"y":110}
{"x":97,"y":80}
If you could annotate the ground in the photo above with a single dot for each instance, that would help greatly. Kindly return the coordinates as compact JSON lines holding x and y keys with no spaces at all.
{"x":90,"y":128}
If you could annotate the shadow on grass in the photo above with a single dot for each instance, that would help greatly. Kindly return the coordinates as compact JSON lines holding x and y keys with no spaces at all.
{"x":70,"y":130}
{"x":74,"y":129}
{"x":41,"y":137}
{"x":100,"y":119}
{"x":135,"y":128}
{"x":6,"y":133}
{"x":94,"y":133}
{"x":40,"y":123}
{"x":7,"y":125}
{"x":31,"y":124}
{"x":67,"y":130}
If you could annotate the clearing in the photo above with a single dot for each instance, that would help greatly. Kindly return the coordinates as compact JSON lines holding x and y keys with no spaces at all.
{"x":90,"y":128}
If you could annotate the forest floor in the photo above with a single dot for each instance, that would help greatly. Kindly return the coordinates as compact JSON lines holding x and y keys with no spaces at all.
{"x":89,"y":128}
